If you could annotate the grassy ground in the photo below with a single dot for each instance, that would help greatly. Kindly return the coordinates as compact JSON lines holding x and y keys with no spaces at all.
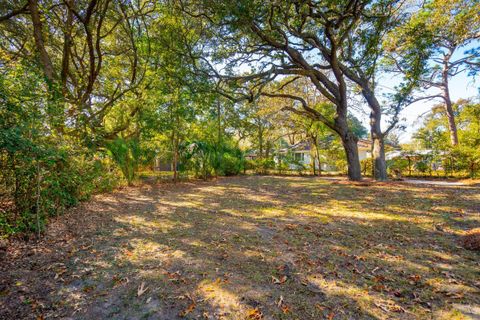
{"x":253,"y":248}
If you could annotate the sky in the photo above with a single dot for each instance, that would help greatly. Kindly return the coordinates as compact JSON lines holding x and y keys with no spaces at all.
{"x":461,"y":87}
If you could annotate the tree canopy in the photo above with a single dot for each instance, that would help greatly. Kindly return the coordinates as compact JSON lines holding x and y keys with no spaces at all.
{"x":95,"y":93}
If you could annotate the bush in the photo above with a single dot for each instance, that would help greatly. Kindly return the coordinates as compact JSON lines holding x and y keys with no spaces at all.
{"x":367,"y":166}
{"x":397,"y":167}
{"x":298,"y":166}
{"x":465,"y":159}
{"x":126,"y":153}
{"x":43,"y":181}
{"x":43,"y":169}
{"x":231,"y":165}
{"x":422,"y":166}
{"x":288,"y":162}
{"x":282,"y":166}
{"x":262,"y":166}
{"x":202,"y":158}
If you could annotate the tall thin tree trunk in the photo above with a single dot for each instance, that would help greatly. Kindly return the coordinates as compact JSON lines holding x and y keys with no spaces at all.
{"x":260,"y":142}
{"x":175,"y":159}
{"x":219,"y":154}
{"x":452,"y":126}
{"x":318,"y":158}
{"x":37,"y":205}
{"x":175,"y":142}
{"x":314,"y":142}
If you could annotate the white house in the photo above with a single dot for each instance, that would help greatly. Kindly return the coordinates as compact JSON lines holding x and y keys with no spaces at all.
{"x":302,"y":153}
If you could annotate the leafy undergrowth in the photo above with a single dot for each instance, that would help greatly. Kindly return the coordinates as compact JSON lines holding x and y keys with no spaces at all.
{"x":253,"y":248}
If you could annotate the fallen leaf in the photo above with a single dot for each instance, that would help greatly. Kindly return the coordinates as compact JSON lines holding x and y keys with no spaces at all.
{"x":88,"y":289}
{"x":414,"y":279}
{"x":396,"y":308}
{"x":279,"y":281}
{"x":280,"y":301}
{"x":320,"y":307}
{"x":142,"y":289}
{"x":189,"y":309}
{"x":254,"y":314}
{"x":379,"y":287}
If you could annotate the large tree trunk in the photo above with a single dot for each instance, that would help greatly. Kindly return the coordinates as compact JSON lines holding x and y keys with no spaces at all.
{"x":349,"y":142}
{"x":378,"y":149}
{"x":379,"y":163}
{"x":40,"y":41}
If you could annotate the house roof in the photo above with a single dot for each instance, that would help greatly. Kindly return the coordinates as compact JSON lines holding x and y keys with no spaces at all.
{"x":364,"y":143}
{"x":405,"y":154}
{"x":301,"y":146}
{"x":306,"y":146}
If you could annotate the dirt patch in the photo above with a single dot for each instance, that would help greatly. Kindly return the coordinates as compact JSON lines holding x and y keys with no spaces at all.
{"x":251,"y":247}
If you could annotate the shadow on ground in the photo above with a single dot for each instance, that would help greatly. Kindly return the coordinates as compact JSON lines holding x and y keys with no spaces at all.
{"x":252,"y":248}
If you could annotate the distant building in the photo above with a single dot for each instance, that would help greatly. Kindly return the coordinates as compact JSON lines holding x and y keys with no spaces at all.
{"x":301,"y":152}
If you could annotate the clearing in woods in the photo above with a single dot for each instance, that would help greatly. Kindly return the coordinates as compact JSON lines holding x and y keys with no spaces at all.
{"x":253,"y":248}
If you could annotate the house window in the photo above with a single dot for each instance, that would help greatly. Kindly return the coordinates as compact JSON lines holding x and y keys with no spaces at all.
{"x":299,"y":156}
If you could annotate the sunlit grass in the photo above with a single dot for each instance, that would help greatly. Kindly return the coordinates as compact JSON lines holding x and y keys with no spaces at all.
{"x":290,"y":248}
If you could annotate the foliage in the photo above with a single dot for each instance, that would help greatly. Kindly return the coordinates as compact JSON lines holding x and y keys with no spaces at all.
{"x":367,"y":167}
{"x":263,"y":166}
{"x":126,"y":153}
{"x":232,"y":164}
{"x":204,"y":159}
{"x":42,"y":170}
{"x":431,"y":47}
{"x":433,"y":135}
{"x":92,"y":92}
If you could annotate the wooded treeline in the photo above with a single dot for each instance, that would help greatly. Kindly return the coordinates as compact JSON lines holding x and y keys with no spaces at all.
{"x":93,"y":91}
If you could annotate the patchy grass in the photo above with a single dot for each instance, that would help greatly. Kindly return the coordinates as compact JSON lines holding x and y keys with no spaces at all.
{"x":251,"y":248}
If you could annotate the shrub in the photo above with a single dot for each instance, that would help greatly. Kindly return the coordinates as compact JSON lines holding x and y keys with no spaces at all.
{"x":126,"y":153}
{"x":396,"y":167}
{"x":231,"y":165}
{"x":367,"y":166}
{"x":282,"y":166}
{"x":262,"y":166}
{"x":465,"y":159}
{"x":422,"y":166}
{"x":43,"y":181}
